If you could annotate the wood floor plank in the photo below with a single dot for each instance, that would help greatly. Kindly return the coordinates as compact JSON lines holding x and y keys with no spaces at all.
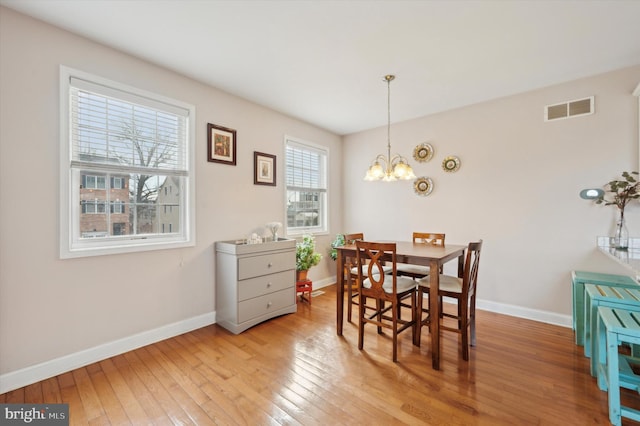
{"x":51,"y":391}
{"x":294,"y":369}
{"x":149,"y":374}
{"x":110,"y":402}
{"x":125,"y":394}
{"x":90,"y":400}
{"x":142,"y":392}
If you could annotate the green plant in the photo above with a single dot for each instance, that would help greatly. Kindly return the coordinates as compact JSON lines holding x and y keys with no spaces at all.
{"x":306,"y":257}
{"x":623,"y":191}
{"x":337,"y":242}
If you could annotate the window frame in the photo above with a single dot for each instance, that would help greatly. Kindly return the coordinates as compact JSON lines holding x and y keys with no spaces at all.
{"x":72,"y":245}
{"x":323,"y":227}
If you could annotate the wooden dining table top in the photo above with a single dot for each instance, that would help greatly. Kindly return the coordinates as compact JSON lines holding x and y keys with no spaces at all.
{"x":419,"y":253}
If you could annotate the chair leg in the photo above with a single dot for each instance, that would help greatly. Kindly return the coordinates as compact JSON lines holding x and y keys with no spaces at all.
{"x":379,"y":307}
{"x":415,"y":316}
{"x":349,"y":297}
{"x":418,"y":316}
{"x":472,"y":317}
{"x":464,"y":330}
{"x":361,"y":313}
{"x":394,"y":315}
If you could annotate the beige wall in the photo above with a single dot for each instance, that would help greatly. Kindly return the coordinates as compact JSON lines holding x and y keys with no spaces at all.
{"x":51,"y":308}
{"x":517,"y":188}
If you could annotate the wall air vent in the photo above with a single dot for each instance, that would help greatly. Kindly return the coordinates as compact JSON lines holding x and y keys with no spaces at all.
{"x":569,"y":109}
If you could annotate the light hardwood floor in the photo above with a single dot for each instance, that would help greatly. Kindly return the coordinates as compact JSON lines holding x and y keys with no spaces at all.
{"x":295,"y":370}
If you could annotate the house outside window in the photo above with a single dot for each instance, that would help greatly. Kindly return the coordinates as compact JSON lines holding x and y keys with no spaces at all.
{"x":121,"y":148}
{"x":306,"y":187}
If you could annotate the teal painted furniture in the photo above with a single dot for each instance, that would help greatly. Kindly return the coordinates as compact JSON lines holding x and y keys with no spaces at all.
{"x":578,"y":280}
{"x":617,"y":326}
{"x":626,"y":298}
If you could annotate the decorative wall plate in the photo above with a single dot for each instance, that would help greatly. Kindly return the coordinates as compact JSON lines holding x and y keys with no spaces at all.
{"x":423,"y":152}
{"x":451,"y":164}
{"x":423,"y":186}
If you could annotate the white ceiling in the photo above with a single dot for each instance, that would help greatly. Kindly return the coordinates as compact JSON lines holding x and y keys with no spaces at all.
{"x":324,"y":61}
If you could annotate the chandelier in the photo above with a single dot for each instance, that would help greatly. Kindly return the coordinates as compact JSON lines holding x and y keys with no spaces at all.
{"x":389,"y":168}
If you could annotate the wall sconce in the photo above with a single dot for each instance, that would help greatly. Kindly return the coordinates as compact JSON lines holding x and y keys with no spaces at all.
{"x":591,"y":193}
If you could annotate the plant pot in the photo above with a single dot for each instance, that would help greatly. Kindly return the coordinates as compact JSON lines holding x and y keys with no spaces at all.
{"x":301,"y":275}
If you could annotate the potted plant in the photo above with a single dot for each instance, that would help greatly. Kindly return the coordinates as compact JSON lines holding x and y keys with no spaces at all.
{"x":306,"y":257}
{"x":337,"y":242}
{"x":622,"y":191}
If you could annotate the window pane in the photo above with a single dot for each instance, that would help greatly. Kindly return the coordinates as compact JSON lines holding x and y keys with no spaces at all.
{"x":304,"y":208}
{"x":139,"y":204}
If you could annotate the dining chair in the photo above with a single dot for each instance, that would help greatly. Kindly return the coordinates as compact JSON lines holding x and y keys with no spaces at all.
{"x":381,"y":287}
{"x":351,"y":274}
{"x":464,"y":291}
{"x":419,"y":271}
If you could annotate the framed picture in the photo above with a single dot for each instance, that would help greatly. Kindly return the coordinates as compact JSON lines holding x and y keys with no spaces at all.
{"x":221,"y":144}
{"x":264,"y":166}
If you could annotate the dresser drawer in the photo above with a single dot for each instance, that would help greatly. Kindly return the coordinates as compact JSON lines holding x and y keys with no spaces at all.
{"x":255,"y":266}
{"x":264,"y":284}
{"x":265,"y":304}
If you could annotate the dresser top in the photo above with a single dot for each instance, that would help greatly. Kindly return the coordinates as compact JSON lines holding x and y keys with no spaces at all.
{"x":241,"y":247}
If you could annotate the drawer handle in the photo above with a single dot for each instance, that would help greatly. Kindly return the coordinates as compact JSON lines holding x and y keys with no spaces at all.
{"x":270,"y":265}
{"x":269,"y":304}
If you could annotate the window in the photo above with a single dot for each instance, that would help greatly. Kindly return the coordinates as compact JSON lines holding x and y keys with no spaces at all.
{"x":121,"y":149}
{"x":306,"y":186}
{"x":93,"y":182}
{"x":117,"y":183}
{"x":117,"y":207}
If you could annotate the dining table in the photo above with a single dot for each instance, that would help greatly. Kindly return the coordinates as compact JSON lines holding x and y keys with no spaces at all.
{"x":413,"y":253}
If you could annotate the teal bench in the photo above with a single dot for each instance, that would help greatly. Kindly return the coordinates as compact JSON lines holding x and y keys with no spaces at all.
{"x":626,"y":298}
{"x":617,"y":326}
{"x":578,"y":280}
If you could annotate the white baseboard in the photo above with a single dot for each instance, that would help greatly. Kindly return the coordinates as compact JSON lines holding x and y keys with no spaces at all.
{"x":324,"y":283}
{"x":36,"y":373}
{"x":527,"y":313}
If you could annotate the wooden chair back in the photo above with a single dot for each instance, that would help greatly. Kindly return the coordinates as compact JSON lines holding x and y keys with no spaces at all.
{"x":375,"y":256}
{"x":428,"y":238}
{"x":471,"y":264}
{"x":352,"y":238}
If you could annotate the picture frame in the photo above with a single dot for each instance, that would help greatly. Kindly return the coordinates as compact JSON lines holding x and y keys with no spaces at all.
{"x":221,"y":144}
{"x":264,"y":169}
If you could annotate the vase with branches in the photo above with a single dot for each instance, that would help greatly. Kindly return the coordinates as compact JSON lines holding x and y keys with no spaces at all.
{"x":619,"y":193}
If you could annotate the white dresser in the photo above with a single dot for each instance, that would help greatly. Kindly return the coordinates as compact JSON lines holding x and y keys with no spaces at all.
{"x":254,"y":282}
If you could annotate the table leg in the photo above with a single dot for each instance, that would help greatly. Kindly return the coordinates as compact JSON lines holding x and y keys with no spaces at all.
{"x":434,"y":311}
{"x":339,"y":292}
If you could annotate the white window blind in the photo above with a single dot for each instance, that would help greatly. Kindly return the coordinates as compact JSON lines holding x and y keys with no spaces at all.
{"x":304,"y":168}
{"x":142,"y":136}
